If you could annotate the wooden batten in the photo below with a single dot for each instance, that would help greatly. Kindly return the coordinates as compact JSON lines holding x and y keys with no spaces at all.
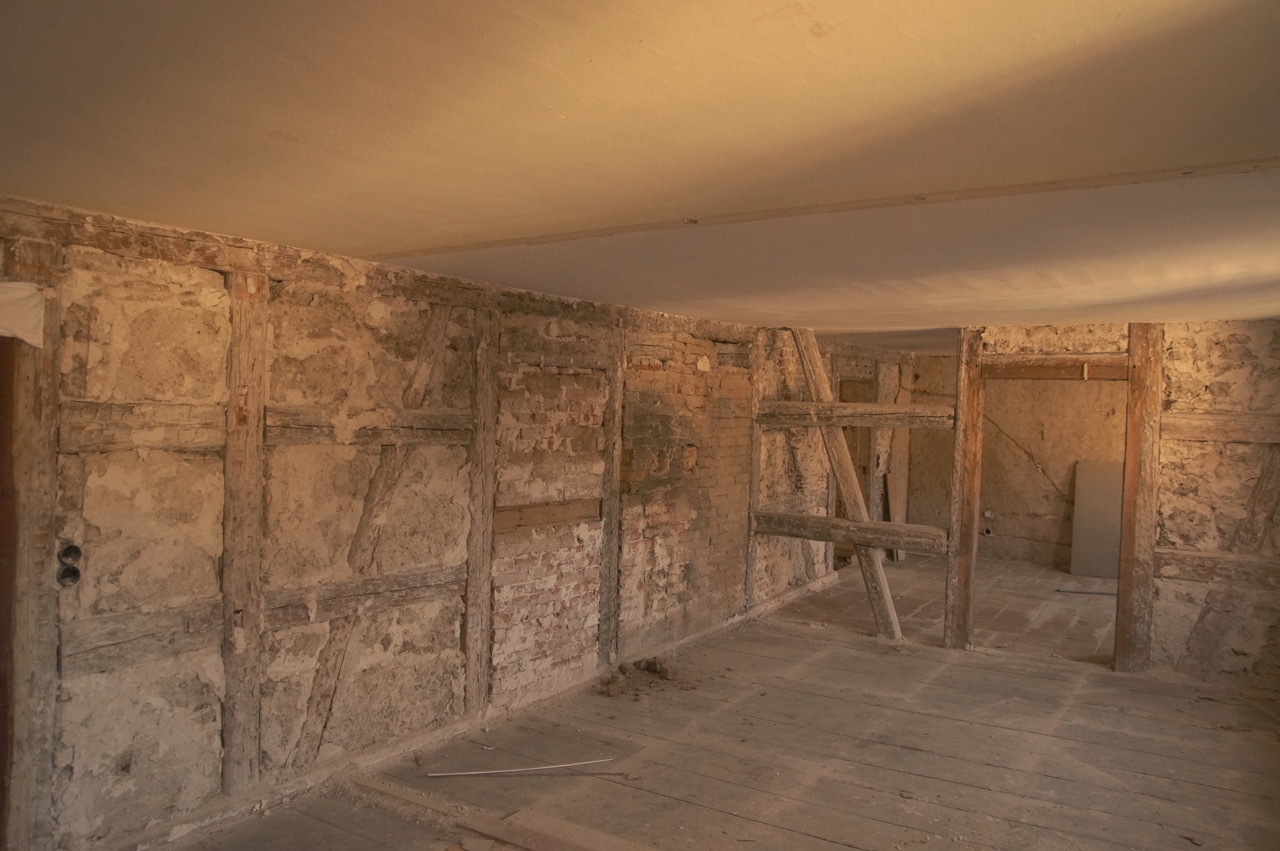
{"x":905,"y":536}
{"x":844,"y":471}
{"x":516,"y":517}
{"x":288,"y":607}
{"x":478,"y":598}
{"x":112,"y":427}
{"x":1242,"y":571}
{"x":1109,"y":366}
{"x":966,"y":479}
{"x":243,"y":532}
{"x":1225,"y":428}
{"x":1135,"y":584}
{"x":854,"y":414}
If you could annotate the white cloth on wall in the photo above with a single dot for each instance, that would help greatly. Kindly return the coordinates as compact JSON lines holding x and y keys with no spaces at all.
{"x":22,"y":312}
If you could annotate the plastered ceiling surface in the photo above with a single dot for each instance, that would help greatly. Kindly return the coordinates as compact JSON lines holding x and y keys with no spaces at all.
{"x":442,"y":135}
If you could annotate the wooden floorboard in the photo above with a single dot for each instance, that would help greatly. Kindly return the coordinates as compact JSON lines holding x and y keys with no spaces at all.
{"x":789,"y":735}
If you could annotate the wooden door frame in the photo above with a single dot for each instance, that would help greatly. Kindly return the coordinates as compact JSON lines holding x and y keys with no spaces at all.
{"x":1141,"y":367}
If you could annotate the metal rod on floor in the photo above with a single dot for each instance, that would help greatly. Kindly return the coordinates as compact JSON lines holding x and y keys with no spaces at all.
{"x":515,"y":770}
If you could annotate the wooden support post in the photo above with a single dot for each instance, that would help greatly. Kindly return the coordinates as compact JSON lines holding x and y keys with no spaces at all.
{"x":243,"y":532}
{"x":966,"y":482}
{"x":34,"y":602}
{"x":1135,"y":585}
{"x":478,"y":615}
{"x":757,"y":367}
{"x":845,"y":473}
{"x":886,"y":390}
{"x":898,"y":480}
{"x":611,"y":505}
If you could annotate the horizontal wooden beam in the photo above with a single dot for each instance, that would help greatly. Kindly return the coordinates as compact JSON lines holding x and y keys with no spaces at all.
{"x":112,"y":427}
{"x":867,"y":414}
{"x":546,"y":514}
{"x":1225,"y":428}
{"x":890,"y":536}
{"x":1060,"y":367}
{"x":1249,"y":571}
{"x":383,"y":427}
{"x":95,"y":645}
{"x":286,"y":607}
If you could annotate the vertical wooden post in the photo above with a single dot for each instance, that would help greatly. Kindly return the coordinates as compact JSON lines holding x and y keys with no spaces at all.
{"x":478,"y":613}
{"x":757,"y":368}
{"x":1134,"y":588}
{"x":35,"y":605}
{"x":870,"y":559}
{"x":898,"y":481}
{"x":886,"y":390}
{"x":611,"y":503}
{"x":243,"y":520}
{"x":966,"y":483}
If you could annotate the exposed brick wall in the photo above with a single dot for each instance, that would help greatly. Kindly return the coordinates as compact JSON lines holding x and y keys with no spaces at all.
{"x":550,"y":449}
{"x":686,"y":465}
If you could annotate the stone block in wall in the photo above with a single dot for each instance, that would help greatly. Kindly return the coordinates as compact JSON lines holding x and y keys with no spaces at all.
{"x":359,"y":351}
{"x":1203,"y":494}
{"x":1222,"y":367}
{"x":1056,"y":339}
{"x":142,"y":330}
{"x":149,"y":524}
{"x":137,"y":746}
{"x":316,"y":496}
{"x":546,"y":610}
{"x":1209,"y":630}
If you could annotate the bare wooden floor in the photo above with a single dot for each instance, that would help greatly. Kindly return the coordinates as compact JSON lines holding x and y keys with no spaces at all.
{"x":791,"y":733}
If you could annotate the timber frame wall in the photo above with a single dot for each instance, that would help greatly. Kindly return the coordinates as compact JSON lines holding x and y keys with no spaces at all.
{"x":369,"y":506}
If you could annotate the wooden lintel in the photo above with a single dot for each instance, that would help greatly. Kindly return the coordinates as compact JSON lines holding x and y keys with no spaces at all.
{"x":855,"y":414}
{"x":546,"y":514}
{"x":111,"y":427}
{"x":297,"y":426}
{"x":1246,"y":571}
{"x":1060,"y":367}
{"x":1225,"y":428}
{"x":904,"y":536}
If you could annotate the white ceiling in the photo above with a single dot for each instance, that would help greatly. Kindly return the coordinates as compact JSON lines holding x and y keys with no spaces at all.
{"x":851,"y":165}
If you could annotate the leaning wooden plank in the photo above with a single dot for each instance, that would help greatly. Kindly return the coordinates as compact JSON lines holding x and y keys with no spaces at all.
{"x":851,"y":414}
{"x":1226,"y":428}
{"x":1066,"y":367}
{"x":1135,"y":587}
{"x":478,"y":611}
{"x":111,"y":427}
{"x":324,"y":684}
{"x":1260,"y":511}
{"x":966,"y":478}
{"x":430,"y":353}
{"x":845,"y":473}
{"x":243,"y":532}
{"x":906,"y":536}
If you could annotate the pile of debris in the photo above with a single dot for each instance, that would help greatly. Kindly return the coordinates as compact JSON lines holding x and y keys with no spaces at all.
{"x":634,"y":678}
